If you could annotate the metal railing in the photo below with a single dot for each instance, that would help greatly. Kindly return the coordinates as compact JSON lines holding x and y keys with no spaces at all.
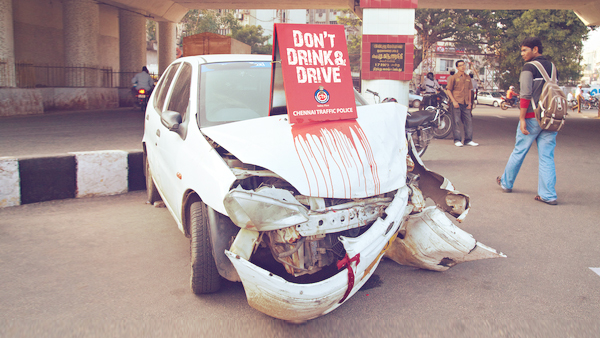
{"x":30,"y":75}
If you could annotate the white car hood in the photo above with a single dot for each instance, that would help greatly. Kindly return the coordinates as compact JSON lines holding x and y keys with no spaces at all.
{"x":336,"y":159}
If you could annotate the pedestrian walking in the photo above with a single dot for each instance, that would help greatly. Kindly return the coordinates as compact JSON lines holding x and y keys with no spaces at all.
{"x":459,"y":91}
{"x":473,"y":90}
{"x":529,"y":130}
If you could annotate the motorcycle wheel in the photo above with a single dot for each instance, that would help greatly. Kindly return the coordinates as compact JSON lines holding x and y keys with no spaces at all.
{"x":503,"y":105}
{"x":444,"y":127}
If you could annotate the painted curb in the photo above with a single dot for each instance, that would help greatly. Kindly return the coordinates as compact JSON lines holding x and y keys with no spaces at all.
{"x":74,"y":175}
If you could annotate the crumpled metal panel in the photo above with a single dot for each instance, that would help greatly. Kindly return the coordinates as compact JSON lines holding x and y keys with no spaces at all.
{"x":339,"y":159}
{"x":293,"y":302}
{"x":431,"y":241}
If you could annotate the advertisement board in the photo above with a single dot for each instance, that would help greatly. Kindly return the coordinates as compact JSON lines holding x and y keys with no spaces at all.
{"x":315,"y":71}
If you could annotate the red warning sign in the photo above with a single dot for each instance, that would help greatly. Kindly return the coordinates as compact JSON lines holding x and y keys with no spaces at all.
{"x":316,"y":72}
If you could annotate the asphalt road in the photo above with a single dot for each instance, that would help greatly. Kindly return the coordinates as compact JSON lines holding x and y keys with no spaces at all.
{"x":116,"y":267}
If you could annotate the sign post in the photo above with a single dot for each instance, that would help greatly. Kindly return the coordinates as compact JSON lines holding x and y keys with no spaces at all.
{"x":315,"y":72}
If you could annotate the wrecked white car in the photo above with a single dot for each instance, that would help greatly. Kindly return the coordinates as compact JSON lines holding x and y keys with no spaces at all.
{"x":300,"y":214}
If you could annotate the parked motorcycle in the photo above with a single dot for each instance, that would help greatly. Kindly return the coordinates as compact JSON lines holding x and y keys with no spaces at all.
{"x":506,"y":103}
{"x":419,"y":125}
{"x":443,"y":118}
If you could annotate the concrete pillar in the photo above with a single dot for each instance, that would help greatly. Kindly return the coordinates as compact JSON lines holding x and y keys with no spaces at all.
{"x":132,"y":44}
{"x":387,"y":48}
{"x":7,"y":45}
{"x":81,"y":22}
{"x":166,"y":45}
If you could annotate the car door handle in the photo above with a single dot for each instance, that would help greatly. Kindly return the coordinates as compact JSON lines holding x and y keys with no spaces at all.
{"x":158,"y":132}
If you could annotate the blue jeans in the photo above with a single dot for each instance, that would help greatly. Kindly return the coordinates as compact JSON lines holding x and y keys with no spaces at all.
{"x":462,"y":114}
{"x":546,"y":142}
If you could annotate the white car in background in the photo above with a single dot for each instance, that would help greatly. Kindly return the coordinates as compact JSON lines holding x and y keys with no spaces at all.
{"x":414,"y":100}
{"x":492,"y":98}
{"x":301,"y":214}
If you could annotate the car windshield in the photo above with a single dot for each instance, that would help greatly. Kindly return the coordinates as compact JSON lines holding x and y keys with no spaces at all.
{"x":496,"y":94}
{"x":233,"y":91}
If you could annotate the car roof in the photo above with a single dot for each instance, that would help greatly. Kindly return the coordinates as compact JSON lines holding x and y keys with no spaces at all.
{"x":225,"y":58}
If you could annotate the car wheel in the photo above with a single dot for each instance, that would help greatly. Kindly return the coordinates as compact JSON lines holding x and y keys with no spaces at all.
{"x":151,"y":191}
{"x":416,"y":104}
{"x":204,"y":277}
{"x":496,"y":104}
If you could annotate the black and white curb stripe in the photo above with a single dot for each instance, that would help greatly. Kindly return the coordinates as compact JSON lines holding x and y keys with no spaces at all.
{"x":26,"y":180}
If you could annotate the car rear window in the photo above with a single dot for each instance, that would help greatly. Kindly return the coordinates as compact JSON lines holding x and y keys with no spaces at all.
{"x":234,"y":91}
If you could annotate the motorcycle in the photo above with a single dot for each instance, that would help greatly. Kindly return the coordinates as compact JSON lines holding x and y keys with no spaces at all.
{"x":508,"y":103}
{"x":419,"y":125}
{"x":443,"y":118}
{"x":142,"y":98}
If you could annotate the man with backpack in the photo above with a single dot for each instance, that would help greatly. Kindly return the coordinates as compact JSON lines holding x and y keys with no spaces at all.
{"x":529,"y":130}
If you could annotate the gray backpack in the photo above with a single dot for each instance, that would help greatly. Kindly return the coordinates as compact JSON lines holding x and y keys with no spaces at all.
{"x":552,"y":109}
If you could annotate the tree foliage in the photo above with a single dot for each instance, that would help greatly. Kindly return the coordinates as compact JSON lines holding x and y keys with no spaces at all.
{"x":562,"y":34}
{"x":253,"y":36}
{"x":434,"y":25}
{"x":150,"y":30}
{"x":352,"y":25}
{"x":501,"y":32}
{"x":212,"y":20}
{"x":199,"y":21}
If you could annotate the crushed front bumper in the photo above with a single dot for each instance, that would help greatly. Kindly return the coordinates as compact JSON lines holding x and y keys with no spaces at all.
{"x":293,"y":302}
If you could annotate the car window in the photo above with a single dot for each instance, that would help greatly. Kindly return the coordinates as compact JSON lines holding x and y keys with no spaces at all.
{"x":180,"y":98}
{"x":163,"y":88}
{"x":496,"y":94}
{"x":233,"y":91}
{"x":484,"y":93}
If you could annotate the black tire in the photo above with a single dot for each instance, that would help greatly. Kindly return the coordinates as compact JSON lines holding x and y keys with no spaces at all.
{"x":496,"y":104}
{"x":416,"y":104}
{"x":204,"y":276}
{"x":151,"y":191}
{"x":444,"y":127}
{"x":503,"y":105}
{"x":143,"y":108}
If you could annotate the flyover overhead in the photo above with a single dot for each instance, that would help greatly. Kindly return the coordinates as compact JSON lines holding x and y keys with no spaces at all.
{"x":174,"y":10}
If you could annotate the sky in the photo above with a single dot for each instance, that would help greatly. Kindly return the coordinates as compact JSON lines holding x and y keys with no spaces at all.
{"x":593,"y":41}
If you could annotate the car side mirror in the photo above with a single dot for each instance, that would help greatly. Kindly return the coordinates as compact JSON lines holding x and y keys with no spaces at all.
{"x":171,"y":120}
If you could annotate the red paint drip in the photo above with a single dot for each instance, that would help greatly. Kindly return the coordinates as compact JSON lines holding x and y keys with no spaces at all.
{"x":330,"y":148}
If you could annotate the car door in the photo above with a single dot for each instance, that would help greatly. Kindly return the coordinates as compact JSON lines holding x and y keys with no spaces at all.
{"x":171,"y":145}
{"x":484,"y":98}
{"x":152,"y":128}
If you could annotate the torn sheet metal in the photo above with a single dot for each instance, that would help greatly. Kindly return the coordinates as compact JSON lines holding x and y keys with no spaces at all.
{"x":437,"y":187}
{"x":431,"y":241}
{"x":293,"y":302}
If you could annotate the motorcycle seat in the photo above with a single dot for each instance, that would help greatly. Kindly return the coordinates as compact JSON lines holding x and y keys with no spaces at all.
{"x":419,"y":117}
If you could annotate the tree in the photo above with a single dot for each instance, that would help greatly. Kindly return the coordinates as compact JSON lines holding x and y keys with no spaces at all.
{"x":562,"y":34}
{"x":150,"y":30}
{"x":200,"y":21}
{"x":500,"y":33}
{"x":352,"y":25}
{"x":463,"y":27}
{"x":253,"y":36}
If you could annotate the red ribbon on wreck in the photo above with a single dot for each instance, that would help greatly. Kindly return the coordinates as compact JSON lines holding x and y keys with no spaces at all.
{"x":346,"y":263}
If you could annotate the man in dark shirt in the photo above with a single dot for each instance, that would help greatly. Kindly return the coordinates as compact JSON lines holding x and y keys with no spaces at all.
{"x":529,"y":130}
{"x":459,"y":90}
